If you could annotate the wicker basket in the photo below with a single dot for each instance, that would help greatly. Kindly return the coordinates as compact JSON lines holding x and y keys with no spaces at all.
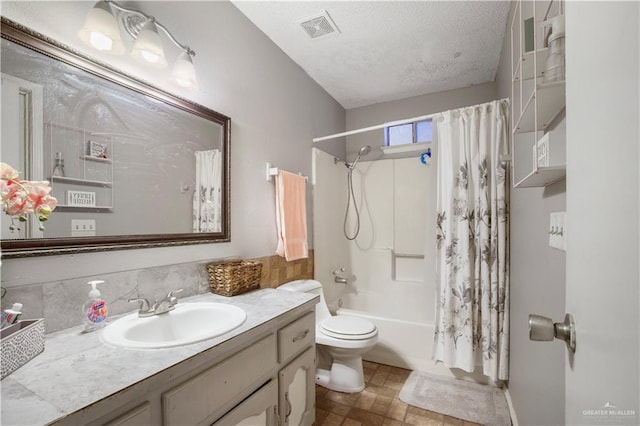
{"x":232,"y":278}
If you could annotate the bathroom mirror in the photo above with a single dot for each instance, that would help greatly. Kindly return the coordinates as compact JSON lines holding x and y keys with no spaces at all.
{"x":124,"y":159}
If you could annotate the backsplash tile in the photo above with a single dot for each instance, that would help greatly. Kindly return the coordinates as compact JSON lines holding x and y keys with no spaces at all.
{"x":276,"y":270}
{"x":31,"y":298}
{"x":60,"y":302}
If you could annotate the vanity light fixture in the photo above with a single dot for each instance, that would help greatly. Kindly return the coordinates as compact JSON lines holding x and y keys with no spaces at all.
{"x":101,"y":31}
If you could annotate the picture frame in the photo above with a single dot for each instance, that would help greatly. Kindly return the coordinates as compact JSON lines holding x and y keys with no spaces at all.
{"x":96,"y":149}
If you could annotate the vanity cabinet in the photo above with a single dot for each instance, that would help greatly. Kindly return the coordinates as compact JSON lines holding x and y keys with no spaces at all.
{"x":296,"y":381}
{"x":264,"y":376}
{"x":296,"y":395}
{"x":537,"y":103}
{"x":204,"y":398}
{"x":138,"y":416}
{"x":260,"y":409}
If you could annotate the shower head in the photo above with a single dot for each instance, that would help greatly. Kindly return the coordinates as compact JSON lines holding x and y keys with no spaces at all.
{"x":363,"y":151}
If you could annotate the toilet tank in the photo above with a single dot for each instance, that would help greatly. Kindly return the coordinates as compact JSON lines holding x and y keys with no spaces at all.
{"x":312,"y":287}
{"x":303,"y":286}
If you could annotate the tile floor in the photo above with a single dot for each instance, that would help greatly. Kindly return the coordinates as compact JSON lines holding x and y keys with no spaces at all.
{"x":377,"y":405}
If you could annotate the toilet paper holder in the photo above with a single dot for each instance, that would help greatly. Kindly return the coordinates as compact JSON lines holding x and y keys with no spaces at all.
{"x":543,"y":329}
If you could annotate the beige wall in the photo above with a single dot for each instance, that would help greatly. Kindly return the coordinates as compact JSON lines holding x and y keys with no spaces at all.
{"x":536,"y":370}
{"x":275,"y":107}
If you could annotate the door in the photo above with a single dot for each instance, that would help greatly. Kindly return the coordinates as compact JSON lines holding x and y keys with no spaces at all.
{"x":602,"y":378}
{"x":22,"y":136}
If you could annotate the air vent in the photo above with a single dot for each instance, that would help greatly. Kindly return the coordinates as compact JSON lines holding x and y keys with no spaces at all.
{"x":319,"y":25}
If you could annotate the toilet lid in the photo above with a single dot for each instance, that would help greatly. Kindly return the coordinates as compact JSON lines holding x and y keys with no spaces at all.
{"x":347,"y":326}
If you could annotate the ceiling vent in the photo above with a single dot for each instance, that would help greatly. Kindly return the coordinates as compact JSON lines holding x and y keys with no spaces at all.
{"x":319,"y":25}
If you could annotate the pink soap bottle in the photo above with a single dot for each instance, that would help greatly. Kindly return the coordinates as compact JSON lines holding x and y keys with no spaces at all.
{"x":95,"y":309}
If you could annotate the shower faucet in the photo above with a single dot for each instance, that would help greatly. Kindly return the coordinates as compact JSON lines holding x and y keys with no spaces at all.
{"x":338,"y":276}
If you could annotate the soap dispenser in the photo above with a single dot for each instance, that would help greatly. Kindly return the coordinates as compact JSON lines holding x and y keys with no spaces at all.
{"x":95,"y":308}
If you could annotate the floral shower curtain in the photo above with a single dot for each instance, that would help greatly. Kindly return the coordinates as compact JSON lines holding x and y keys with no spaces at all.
{"x":207,"y":202}
{"x":472,"y":318}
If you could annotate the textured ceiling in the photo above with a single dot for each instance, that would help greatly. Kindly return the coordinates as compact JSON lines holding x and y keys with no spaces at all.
{"x":388,"y":50}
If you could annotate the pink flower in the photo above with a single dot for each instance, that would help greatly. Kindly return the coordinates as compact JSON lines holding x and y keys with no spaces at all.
{"x":7,"y":172}
{"x":22,"y":197}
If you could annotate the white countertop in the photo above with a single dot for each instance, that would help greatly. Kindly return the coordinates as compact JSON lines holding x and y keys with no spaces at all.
{"x":76,"y":370}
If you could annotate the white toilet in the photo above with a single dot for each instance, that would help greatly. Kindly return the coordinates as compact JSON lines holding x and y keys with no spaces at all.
{"x":343,"y":337}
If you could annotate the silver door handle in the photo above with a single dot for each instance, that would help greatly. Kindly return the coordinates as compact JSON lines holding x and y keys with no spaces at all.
{"x":543,"y":329}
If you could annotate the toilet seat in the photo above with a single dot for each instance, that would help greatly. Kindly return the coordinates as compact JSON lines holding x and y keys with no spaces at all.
{"x":348,"y":328}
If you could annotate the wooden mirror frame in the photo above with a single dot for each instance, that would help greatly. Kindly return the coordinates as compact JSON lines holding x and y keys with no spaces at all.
{"x":30,"y":39}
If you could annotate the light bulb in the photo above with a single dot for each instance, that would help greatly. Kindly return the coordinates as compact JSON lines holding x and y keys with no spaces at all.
{"x":148,"y":46}
{"x":183,"y":82}
{"x":100,"y":30}
{"x":150,"y":56}
{"x":184,"y":73}
{"x":100,"y":41}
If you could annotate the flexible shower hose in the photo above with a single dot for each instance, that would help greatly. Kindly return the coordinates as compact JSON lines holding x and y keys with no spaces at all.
{"x":351,"y":195}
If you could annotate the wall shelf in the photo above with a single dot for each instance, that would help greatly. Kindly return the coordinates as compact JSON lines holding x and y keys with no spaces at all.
{"x":86,"y":169}
{"x":538,"y":137}
{"x":410,"y":147}
{"x":97,"y":159}
{"x":77,"y":181}
{"x":527,"y":64}
{"x":79,"y":209}
{"x":549,"y":100}
{"x":542,"y":176}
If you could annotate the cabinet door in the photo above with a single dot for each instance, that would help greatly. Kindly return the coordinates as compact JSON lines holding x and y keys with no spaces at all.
{"x":260,"y":409}
{"x":205,"y":397}
{"x":297,"y":392}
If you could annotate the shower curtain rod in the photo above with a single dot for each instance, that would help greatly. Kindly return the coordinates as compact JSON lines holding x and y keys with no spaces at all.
{"x":376,"y":127}
{"x":391,"y":123}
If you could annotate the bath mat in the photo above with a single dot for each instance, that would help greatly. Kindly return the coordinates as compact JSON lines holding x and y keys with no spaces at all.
{"x":473,"y":402}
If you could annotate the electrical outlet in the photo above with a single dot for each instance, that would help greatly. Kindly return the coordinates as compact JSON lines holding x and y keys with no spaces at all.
{"x":83,"y":228}
{"x":557,"y":230}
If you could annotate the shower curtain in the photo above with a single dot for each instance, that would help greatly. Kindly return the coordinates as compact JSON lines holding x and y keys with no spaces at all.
{"x":472,"y":317}
{"x":207,"y":202}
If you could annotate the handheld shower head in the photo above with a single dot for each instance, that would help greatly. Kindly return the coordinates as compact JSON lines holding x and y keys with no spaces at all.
{"x":363,"y":151}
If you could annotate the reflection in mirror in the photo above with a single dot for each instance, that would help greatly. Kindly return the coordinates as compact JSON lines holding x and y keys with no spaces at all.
{"x":128,"y":164}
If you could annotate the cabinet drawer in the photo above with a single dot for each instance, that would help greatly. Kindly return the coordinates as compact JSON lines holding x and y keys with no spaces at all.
{"x":202,"y":399}
{"x":140,"y":415}
{"x":297,"y":336}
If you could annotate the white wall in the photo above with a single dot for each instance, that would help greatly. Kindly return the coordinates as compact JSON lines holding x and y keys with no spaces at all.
{"x":329,"y":195}
{"x":536,"y":369}
{"x":395,"y":217}
{"x":276,"y":109}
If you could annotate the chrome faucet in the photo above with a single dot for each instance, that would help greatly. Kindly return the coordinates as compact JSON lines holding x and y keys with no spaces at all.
{"x":159,"y":307}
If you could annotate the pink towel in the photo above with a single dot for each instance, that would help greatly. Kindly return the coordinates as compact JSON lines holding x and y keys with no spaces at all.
{"x":291,"y":216}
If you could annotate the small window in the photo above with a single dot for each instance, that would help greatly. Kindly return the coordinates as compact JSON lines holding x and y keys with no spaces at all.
{"x":408,"y":133}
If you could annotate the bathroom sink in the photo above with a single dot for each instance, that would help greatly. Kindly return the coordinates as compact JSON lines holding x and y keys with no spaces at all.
{"x":187,"y":323}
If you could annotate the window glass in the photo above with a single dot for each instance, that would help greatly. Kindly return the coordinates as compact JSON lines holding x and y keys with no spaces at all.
{"x":400,"y":135}
{"x":423,"y":131}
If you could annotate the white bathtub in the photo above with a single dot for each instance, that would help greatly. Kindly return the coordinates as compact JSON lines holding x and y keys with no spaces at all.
{"x":402,"y":343}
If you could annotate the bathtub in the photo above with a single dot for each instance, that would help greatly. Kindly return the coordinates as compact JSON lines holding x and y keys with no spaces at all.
{"x":402,"y":342}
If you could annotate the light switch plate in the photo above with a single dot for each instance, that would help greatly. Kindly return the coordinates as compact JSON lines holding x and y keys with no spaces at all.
{"x":557,"y":230}
{"x":83,"y":228}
